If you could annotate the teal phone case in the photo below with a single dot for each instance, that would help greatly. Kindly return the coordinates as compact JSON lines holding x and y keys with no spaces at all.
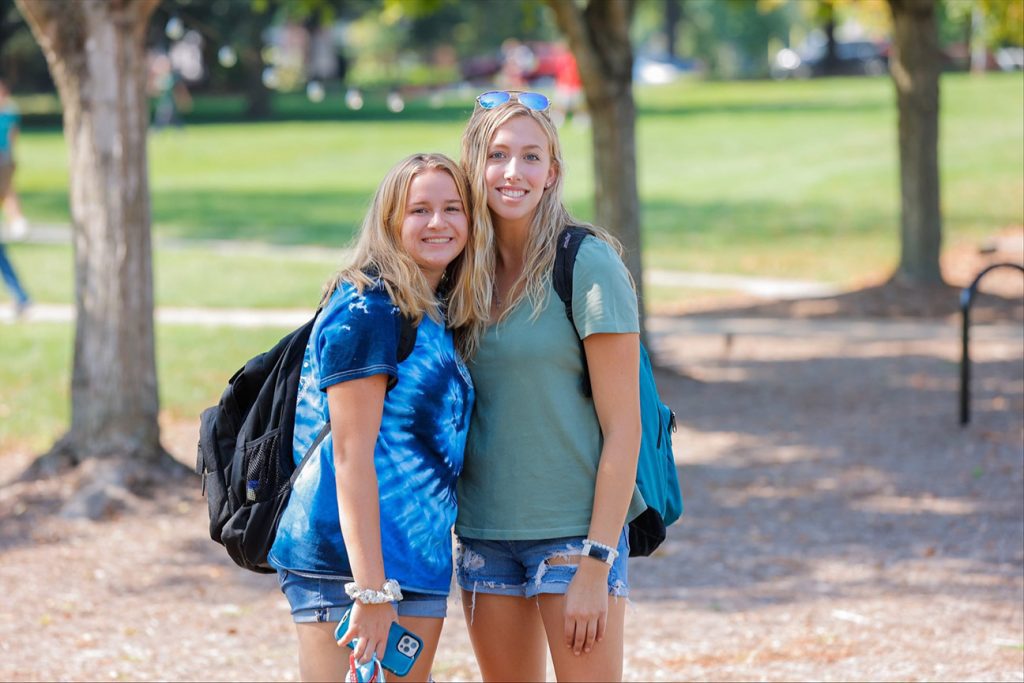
{"x":403,"y":647}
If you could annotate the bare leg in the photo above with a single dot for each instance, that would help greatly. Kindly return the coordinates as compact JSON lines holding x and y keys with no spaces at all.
{"x":429,"y":629}
{"x":321,"y":660}
{"x":507,"y":635}
{"x":12,"y":205}
{"x":603,"y":662}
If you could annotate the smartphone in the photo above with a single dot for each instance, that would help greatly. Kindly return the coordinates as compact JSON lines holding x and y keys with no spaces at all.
{"x":403,"y":647}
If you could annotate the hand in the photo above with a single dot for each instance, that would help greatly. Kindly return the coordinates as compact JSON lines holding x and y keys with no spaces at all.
{"x":586,"y":605}
{"x":368,"y":627}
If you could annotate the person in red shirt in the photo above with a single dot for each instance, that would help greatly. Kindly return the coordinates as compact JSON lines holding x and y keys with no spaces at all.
{"x":568,"y":90}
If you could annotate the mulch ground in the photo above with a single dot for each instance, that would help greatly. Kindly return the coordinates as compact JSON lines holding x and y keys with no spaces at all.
{"x":840,"y":525}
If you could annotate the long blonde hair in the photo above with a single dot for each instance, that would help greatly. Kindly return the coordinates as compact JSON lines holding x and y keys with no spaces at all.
{"x":464,"y":294}
{"x":550,"y":217}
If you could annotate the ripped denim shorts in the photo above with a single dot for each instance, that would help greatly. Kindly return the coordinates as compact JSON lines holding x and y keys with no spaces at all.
{"x":318,"y":598}
{"x":522,"y":568}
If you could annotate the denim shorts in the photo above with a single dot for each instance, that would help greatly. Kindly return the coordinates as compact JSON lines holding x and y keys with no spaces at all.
{"x":319,"y":599}
{"x":521,"y":568}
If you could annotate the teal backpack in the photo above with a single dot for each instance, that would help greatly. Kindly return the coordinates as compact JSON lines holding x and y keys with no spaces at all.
{"x":656,"y":474}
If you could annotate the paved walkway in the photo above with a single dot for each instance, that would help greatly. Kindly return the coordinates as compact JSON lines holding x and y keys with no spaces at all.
{"x":848,"y":329}
{"x":769,"y":288}
{"x":658,"y":326}
{"x":207,"y":317}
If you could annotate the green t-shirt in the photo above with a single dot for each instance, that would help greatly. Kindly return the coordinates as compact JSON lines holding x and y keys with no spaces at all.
{"x":534,"y":439}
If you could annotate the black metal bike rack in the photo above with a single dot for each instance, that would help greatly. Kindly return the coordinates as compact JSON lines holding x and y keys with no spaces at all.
{"x":966,"y":299}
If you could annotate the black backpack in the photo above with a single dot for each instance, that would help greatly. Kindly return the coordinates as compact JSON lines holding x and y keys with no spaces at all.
{"x":656,"y":473}
{"x":245,"y":447}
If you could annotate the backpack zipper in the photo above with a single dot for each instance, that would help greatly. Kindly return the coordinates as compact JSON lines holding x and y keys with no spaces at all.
{"x":201,"y":469}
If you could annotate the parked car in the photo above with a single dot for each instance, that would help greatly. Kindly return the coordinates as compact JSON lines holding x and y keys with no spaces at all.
{"x":539,"y":60}
{"x":853,"y":58}
{"x":959,"y":57}
{"x":1010,"y":58}
{"x":660,"y":70}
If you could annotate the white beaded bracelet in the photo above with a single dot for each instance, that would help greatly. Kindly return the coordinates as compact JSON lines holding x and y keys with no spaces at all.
{"x":389,"y":592}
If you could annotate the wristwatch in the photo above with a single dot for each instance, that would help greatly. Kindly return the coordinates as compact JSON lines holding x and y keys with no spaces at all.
{"x":599,"y":551}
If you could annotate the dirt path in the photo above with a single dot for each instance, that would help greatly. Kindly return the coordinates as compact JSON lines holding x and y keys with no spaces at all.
{"x":839,"y":526}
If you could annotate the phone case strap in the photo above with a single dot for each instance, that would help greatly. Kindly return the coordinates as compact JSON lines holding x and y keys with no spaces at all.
{"x":371,"y":672}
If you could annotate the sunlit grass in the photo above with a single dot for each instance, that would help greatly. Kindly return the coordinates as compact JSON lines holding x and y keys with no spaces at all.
{"x":796,"y":179}
{"x":193,"y":366}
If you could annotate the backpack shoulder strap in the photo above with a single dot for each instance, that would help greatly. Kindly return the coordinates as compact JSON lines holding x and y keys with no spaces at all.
{"x":321,"y":435}
{"x":568,"y":247}
{"x":406,"y":338}
{"x":569,"y":241}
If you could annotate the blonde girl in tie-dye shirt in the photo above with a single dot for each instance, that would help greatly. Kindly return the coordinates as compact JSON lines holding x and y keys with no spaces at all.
{"x":375,"y":503}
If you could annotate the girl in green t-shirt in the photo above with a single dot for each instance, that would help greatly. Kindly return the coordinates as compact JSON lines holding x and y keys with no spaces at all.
{"x":548,"y":483}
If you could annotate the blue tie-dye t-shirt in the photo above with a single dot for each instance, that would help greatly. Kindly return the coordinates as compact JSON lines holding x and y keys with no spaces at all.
{"x":418,"y":455}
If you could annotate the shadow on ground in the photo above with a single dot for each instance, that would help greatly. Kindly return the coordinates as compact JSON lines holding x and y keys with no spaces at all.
{"x":840,"y":471}
{"x":890,"y":300}
{"x":823,"y":477}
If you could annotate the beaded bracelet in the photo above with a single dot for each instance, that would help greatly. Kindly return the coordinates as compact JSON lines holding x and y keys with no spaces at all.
{"x":599,"y":551}
{"x":389,"y":592}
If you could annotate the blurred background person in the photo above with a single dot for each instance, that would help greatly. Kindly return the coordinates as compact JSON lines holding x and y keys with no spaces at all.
{"x":169,"y":90}
{"x":568,"y":89}
{"x":21,"y":300}
{"x":518,"y":62}
{"x":17,"y":226}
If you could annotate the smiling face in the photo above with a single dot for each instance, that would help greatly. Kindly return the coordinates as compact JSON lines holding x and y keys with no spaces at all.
{"x":519,"y":168}
{"x":435,"y":225}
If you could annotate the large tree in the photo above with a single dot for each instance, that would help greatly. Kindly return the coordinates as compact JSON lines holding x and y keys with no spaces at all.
{"x":96,"y":54}
{"x":915,"y":64}
{"x":598,"y":35}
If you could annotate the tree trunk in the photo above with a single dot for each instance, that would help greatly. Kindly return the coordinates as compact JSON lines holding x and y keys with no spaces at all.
{"x":915,"y":67}
{"x":257,"y":96}
{"x":673,"y":13}
{"x":96,"y":54}
{"x":599,"y":38}
{"x":830,"y":63}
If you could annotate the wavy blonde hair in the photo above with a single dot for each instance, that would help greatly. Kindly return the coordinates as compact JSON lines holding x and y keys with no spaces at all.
{"x":550,"y":217}
{"x":464,"y":295}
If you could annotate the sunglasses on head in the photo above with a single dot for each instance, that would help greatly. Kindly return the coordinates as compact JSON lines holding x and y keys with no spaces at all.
{"x":531,"y":100}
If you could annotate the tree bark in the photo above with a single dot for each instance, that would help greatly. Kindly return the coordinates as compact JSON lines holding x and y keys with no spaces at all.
{"x":915,"y":66}
{"x":673,"y":13}
{"x":598,"y":36}
{"x":96,"y":54}
{"x":830,"y":63}
{"x":257,"y":96}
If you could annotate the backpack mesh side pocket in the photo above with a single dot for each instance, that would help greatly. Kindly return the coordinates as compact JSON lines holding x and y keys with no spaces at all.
{"x":262,"y":475}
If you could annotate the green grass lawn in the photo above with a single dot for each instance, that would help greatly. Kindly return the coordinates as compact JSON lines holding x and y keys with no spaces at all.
{"x":801,"y":179}
{"x":794,"y":179}
{"x":193,"y":366}
{"x":194,"y":276}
